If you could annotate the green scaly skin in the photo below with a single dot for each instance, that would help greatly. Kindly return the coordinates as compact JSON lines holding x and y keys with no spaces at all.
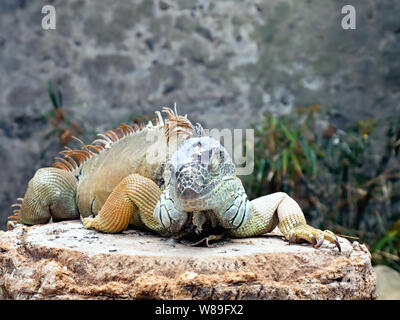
{"x":196,"y":185}
{"x":201,"y":178}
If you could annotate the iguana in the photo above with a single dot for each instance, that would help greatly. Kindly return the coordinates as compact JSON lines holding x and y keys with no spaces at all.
{"x":166,"y":177}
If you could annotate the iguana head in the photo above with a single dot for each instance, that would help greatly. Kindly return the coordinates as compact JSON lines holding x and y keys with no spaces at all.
{"x":202,"y":177}
{"x":197,"y":167}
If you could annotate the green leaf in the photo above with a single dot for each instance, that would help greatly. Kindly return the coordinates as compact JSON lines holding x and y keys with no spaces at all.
{"x":260,"y":174}
{"x":48,"y":114}
{"x":288,"y":134}
{"x":284,"y":161}
{"x":52,"y":95}
{"x":313,"y":160}
{"x":310,"y":155}
{"x":380,"y":243}
{"x":295,"y":163}
{"x":59,"y":93}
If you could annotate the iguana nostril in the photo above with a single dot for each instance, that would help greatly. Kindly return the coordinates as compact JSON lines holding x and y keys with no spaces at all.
{"x":188,"y":193}
{"x":198,"y":182}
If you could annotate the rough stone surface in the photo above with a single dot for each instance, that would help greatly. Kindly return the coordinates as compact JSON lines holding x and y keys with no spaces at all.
{"x":66,"y":261}
{"x":223,"y":62}
{"x":388,"y":283}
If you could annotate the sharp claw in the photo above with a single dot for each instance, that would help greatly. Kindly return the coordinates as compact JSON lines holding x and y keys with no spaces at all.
{"x":291,"y":237}
{"x":207,"y":240}
{"x":314,"y":236}
{"x":338,"y":244}
{"x":319,"y":243}
{"x":197,"y":242}
{"x":313,"y":241}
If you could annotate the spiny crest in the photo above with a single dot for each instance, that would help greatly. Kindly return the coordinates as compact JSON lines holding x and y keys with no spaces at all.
{"x":175,"y":125}
{"x":13,"y":219}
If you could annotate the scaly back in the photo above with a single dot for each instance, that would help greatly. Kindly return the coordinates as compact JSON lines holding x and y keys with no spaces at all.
{"x":101,"y":165}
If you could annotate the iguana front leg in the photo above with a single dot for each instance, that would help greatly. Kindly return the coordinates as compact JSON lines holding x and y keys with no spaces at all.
{"x":168,"y":216}
{"x":132,"y":201}
{"x":278,"y":209}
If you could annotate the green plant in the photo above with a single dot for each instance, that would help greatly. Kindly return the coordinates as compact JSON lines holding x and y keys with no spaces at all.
{"x":386,"y":249}
{"x":345,"y":180}
{"x":63,"y":127}
{"x":283,"y":154}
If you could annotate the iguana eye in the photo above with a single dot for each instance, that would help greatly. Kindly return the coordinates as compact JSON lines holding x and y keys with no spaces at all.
{"x":221,"y":155}
{"x":198,"y":182}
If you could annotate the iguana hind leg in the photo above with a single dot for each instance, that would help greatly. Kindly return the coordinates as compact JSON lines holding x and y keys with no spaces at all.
{"x":132,"y":201}
{"x":50,"y":194}
{"x":278,"y":209}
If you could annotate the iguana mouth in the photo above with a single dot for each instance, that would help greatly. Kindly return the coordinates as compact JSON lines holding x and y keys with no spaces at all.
{"x":191,"y":182}
{"x":188,"y":193}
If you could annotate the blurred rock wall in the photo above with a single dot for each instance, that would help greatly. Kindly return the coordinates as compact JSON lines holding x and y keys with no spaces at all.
{"x":223,"y":62}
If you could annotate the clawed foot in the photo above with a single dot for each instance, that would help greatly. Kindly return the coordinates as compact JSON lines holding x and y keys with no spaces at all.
{"x":11,"y":225}
{"x":168,"y":216}
{"x":87,"y":222}
{"x":304,"y":232}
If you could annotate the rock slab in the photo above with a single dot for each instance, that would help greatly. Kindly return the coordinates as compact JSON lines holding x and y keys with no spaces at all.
{"x":65,"y":261}
{"x":388,"y":283}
